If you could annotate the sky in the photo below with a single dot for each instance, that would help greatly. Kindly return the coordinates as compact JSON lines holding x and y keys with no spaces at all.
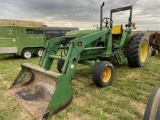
{"x":81,"y":13}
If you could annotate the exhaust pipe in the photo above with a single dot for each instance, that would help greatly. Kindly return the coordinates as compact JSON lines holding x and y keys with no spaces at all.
{"x":101,"y":15}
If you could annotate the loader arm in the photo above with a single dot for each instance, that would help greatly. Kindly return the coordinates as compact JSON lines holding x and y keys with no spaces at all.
{"x":76,"y":47}
{"x":51,"y":47}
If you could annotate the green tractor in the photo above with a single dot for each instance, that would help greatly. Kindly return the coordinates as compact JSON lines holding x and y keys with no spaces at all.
{"x":43,"y":92}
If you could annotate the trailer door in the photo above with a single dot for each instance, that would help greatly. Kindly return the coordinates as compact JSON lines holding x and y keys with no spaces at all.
{"x":8,"y":40}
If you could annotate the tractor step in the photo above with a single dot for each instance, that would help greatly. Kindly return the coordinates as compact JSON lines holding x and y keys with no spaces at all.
{"x":120,"y":56}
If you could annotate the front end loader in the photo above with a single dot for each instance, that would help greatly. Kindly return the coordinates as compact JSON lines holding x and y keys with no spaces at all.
{"x":43,"y":92}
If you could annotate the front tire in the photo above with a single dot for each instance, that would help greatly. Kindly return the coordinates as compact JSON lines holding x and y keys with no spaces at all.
{"x":153,"y":107}
{"x":137,"y":51}
{"x":103,"y":73}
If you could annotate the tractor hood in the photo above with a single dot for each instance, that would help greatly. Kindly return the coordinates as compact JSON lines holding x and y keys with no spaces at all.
{"x":79,"y":33}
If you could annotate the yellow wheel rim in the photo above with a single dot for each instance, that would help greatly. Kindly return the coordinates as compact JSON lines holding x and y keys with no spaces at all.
{"x":106,"y":74}
{"x":143,"y":51}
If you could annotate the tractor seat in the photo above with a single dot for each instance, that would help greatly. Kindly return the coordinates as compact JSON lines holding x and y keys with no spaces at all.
{"x":117,"y":29}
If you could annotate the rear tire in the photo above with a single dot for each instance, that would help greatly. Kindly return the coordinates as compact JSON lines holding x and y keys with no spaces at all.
{"x":152,"y":111}
{"x":26,"y":53}
{"x":137,"y":51}
{"x":60,"y":64}
{"x":103,"y":73}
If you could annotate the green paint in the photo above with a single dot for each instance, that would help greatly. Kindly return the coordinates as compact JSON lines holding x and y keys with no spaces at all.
{"x":62,"y":95}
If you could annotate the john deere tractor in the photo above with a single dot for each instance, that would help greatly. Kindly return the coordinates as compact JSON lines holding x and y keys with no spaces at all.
{"x":43,"y":92}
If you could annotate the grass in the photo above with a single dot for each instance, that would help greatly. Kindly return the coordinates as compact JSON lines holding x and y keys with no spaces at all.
{"x":124,"y":99}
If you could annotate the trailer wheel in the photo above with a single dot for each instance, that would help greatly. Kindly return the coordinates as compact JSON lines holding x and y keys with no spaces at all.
{"x":103,"y":73}
{"x":153,"y":52}
{"x":39,"y":52}
{"x":60,"y":64}
{"x":137,"y":51}
{"x":26,"y":53}
{"x":152,"y":111}
{"x":158,"y":49}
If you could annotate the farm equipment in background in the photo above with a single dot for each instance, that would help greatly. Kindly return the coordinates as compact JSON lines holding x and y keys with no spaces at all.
{"x":154,"y":43}
{"x":43,"y":92}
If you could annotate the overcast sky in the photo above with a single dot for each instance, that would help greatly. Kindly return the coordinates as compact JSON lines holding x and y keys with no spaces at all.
{"x":81,"y":13}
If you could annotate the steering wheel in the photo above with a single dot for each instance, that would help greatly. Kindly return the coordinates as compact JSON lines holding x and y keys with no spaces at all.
{"x":106,"y":22}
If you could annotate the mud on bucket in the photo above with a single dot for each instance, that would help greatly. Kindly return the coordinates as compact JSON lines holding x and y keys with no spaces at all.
{"x":38,"y":91}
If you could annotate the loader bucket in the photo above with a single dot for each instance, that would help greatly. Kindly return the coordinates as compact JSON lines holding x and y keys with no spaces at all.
{"x":42,"y":93}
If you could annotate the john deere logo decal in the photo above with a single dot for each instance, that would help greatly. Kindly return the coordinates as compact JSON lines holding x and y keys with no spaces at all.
{"x":9,"y":31}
